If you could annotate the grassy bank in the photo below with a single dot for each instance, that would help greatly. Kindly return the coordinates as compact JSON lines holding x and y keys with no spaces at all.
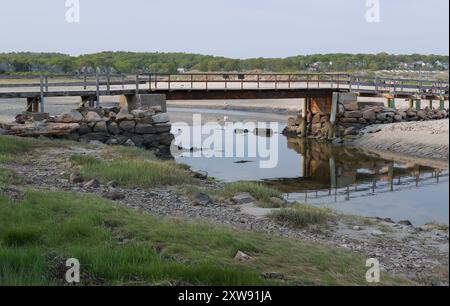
{"x":119,"y":246}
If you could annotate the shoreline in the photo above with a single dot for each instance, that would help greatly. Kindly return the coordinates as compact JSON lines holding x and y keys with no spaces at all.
{"x":427,"y":140}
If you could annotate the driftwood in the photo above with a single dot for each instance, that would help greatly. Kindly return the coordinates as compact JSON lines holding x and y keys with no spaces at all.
{"x":44,"y":129}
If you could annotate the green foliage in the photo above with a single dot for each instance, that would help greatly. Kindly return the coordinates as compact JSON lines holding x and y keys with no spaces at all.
{"x":132,"y":172}
{"x":301,"y":216}
{"x":132,"y":62}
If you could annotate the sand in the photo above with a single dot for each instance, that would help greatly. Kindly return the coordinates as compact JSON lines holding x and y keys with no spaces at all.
{"x":427,"y":139}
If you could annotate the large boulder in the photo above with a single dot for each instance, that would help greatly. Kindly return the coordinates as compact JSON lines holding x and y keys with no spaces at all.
{"x":92,"y":117}
{"x":370,"y":115}
{"x":145,"y":129}
{"x":161,"y":118}
{"x":353,"y":114}
{"x":72,"y":116}
{"x":127,"y":125}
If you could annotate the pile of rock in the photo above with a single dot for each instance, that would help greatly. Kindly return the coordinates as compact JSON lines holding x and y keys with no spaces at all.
{"x":355,"y":119}
{"x":319,"y":125}
{"x":148,"y":128}
{"x":353,"y":116}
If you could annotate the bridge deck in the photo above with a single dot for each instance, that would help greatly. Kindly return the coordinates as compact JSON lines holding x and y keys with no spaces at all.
{"x":217,"y":86}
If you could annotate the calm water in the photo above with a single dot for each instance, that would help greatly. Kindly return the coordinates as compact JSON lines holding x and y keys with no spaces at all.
{"x":345,"y":179}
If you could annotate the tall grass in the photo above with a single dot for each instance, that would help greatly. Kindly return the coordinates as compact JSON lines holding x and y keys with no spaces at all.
{"x":9,"y":177}
{"x":158,"y":251}
{"x":132,"y":172}
{"x":300,"y":216}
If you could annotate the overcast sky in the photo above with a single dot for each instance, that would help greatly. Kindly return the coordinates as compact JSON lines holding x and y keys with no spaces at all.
{"x":233,"y":28}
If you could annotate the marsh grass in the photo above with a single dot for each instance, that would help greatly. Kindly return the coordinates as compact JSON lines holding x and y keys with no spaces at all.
{"x":259,"y":191}
{"x":9,"y":177}
{"x":159,"y":251}
{"x":300,"y":216}
{"x":132,"y":172}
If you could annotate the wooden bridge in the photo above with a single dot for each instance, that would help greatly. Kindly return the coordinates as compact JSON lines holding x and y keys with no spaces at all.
{"x":222,"y":86}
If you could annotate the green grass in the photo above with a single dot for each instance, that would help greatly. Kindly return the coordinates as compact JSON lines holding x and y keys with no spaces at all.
{"x":9,"y":177}
{"x":300,"y":216}
{"x":159,"y":251}
{"x":132,"y":172}
{"x":259,"y":191}
{"x":14,"y":149}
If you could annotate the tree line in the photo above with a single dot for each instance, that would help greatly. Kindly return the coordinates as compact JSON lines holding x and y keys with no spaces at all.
{"x":132,"y":62}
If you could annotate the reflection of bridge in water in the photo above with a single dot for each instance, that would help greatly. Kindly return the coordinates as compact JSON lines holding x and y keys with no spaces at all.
{"x":334,"y":174}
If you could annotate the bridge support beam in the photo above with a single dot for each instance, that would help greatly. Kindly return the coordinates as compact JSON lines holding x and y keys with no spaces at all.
{"x":442,"y":104}
{"x":430,"y":104}
{"x":142,"y":101}
{"x":391,"y":103}
{"x":418,"y":104}
{"x":304,"y":122}
{"x":33,"y":105}
{"x":411,"y":103}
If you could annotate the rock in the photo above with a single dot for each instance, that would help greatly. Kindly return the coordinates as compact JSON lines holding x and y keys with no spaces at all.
{"x":129,"y":143}
{"x":293,"y":121}
{"x":166,"y":139}
{"x":92,"y":184}
{"x":163,"y":127}
{"x":114,"y":195}
{"x":100,"y":127}
{"x":202,"y":175}
{"x":351,"y":106}
{"x":422,"y":115}
{"x":160,"y":118}
{"x":92,"y":117}
{"x":113,"y":128}
{"x":72,"y":116}
{"x":127,"y":125}
{"x":123,"y":114}
{"x":3,"y":132}
{"x":243,"y":198}
{"x":277,"y":202}
{"x":84,"y":129}
{"x":112,"y":184}
{"x":100,"y":137}
{"x":241,"y":256}
{"x":398,"y":118}
{"x":350,"y":131}
{"x":151,"y":140}
{"x":202,"y":199}
{"x":353,"y":114}
{"x":145,"y":129}
{"x":76,"y":178}
{"x":377,"y":233}
{"x":139,"y":113}
{"x":138,"y":140}
{"x":349,"y":120}
{"x":357,"y":228}
{"x":405,"y":222}
{"x":44,"y":129}
{"x":370,"y":115}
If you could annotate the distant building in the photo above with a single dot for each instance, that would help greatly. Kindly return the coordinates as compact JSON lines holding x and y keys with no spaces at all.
{"x":182,"y":70}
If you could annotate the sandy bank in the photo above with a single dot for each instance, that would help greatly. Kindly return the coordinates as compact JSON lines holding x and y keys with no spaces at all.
{"x":428,"y":139}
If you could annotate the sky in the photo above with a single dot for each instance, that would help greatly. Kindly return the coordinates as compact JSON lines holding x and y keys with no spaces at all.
{"x":231,"y":28}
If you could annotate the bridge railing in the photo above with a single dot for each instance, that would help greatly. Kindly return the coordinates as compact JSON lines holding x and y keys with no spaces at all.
{"x":226,"y":81}
{"x":105,"y":83}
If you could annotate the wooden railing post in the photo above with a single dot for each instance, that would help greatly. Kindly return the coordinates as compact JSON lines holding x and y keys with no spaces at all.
{"x":108,"y":84}
{"x":84,"y":81}
{"x":137,"y":84}
{"x":97,"y":85}
{"x":41,"y":101}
